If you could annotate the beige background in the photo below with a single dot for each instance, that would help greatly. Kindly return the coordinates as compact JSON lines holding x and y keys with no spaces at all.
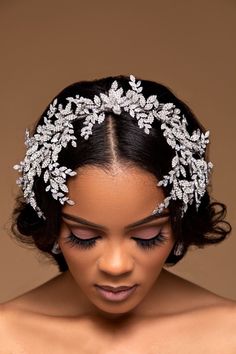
{"x":187,"y":45}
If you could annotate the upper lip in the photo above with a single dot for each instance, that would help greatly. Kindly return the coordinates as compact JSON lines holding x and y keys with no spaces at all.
{"x":116,"y":288}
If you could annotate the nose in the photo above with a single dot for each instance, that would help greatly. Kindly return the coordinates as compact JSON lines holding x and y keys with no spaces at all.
{"x":115,"y":261}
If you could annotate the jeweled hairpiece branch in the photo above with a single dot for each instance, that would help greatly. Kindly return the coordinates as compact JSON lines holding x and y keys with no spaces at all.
{"x":51,"y":137}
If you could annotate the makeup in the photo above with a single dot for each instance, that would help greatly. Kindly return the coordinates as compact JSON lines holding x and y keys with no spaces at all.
{"x":147,"y":244}
{"x":116,"y":296}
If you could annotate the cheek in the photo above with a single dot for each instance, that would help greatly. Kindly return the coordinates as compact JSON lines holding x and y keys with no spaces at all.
{"x":80,"y":264}
{"x":151,"y":262}
{"x":154,"y":260}
{"x":75,"y":260}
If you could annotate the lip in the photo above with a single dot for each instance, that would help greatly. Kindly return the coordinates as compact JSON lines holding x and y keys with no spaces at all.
{"x":116,"y":295}
{"x":116,"y":288}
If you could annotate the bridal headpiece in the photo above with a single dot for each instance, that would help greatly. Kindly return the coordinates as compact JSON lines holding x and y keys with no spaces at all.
{"x":52,"y":136}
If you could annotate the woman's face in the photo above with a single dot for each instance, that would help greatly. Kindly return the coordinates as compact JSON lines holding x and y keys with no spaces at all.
{"x":114,"y":253}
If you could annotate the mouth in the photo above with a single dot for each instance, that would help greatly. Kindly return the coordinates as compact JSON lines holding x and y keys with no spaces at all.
{"x":115,"y":294}
{"x":115,"y":289}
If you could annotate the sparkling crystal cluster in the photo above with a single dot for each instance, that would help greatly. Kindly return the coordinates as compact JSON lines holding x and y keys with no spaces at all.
{"x":52,"y":136}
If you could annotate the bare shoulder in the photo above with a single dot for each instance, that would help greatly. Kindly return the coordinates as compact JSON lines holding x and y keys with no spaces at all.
{"x":193,"y":296}
{"x":4,"y":316}
{"x":41,"y":299}
{"x":204,"y":314}
{"x":219,"y":324}
{"x":221,"y":316}
{"x":5,"y":329}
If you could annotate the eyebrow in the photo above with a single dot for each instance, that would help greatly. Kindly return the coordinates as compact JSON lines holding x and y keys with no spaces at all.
{"x":137,"y":223}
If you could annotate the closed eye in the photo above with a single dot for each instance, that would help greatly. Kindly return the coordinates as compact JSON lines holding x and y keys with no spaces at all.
{"x":146,"y":244}
{"x":151,"y":242}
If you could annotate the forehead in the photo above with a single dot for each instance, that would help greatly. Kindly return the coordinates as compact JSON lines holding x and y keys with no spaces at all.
{"x":121,"y":196}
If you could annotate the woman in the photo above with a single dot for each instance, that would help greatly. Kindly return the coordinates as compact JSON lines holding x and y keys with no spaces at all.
{"x":114,"y":187}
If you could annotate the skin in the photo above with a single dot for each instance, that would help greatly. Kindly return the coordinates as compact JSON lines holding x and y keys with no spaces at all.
{"x":115,"y":200}
{"x":166,"y":314}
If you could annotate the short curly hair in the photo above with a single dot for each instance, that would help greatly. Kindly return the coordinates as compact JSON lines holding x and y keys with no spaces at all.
{"x":120,"y":138}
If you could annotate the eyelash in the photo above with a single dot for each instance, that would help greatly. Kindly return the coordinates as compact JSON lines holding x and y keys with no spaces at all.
{"x":143,"y":243}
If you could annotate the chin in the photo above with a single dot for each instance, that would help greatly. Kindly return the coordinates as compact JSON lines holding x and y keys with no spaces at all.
{"x":115,"y":314}
{"x":115,"y":309}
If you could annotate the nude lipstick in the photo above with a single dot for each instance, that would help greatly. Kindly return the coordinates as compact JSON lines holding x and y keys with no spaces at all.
{"x":117,"y":295}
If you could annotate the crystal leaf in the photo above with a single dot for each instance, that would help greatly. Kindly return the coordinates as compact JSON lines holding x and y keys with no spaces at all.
{"x":64,"y":188}
{"x":151,"y":99}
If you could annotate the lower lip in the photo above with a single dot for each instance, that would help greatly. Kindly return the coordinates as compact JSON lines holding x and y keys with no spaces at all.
{"x":119,"y":296}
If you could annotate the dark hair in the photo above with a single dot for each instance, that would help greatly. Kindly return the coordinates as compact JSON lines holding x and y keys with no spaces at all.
{"x":120,"y":138}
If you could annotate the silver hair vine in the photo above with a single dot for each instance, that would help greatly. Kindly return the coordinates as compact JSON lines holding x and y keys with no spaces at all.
{"x":51,"y":137}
